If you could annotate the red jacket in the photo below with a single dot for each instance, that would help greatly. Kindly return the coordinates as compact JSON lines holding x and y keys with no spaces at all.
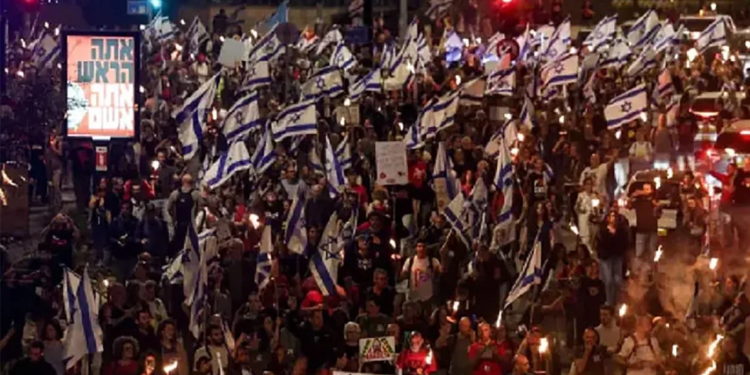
{"x":146,"y":188}
{"x":488,"y":365}
{"x":410,"y":361}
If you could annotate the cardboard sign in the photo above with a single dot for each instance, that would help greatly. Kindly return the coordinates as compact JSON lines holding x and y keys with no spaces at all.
{"x":350,"y":114}
{"x":390,"y":159}
{"x":232,"y":52}
{"x":377,"y":349}
{"x":101,"y":158}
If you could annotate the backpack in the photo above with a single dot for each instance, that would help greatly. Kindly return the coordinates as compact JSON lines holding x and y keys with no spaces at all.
{"x":430,"y":266}
{"x":650,"y":345}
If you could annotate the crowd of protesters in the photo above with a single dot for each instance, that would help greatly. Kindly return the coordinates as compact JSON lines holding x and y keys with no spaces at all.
{"x":604,"y":306}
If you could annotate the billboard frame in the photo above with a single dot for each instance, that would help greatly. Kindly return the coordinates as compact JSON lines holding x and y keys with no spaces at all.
{"x":136,"y":72}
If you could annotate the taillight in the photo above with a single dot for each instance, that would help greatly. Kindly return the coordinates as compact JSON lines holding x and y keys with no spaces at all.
{"x":705,"y":115}
{"x":745,"y":133}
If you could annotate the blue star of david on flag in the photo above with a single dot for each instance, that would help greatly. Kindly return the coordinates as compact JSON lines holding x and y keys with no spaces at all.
{"x":626,"y":107}
{"x":559,"y":68}
{"x":295,"y":117}
{"x":251,"y":71}
{"x":339,"y":58}
{"x":552,"y":52}
{"x":320,"y":83}
{"x":598,"y":35}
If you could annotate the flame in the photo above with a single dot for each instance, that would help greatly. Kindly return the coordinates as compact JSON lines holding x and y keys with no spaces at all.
{"x":521,"y":137}
{"x":428,"y":359}
{"x":657,"y":182}
{"x":7,"y":180}
{"x":714,"y":344}
{"x":543,"y":345}
{"x":499,"y":321}
{"x":347,"y":102}
{"x":670,"y":172}
{"x":170,"y":367}
{"x":713,"y":263}
{"x":455,"y":306}
{"x":458,"y":79}
{"x":710,"y":369}
{"x":393,"y":243}
{"x":659,"y":252}
{"x":674,"y":350}
{"x":623,"y":310}
{"x":574,"y":229}
{"x":595,"y":202}
{"x":255,"y":220}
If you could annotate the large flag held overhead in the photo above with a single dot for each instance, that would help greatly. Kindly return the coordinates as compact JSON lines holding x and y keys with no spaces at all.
{"x":242,"y":118}
{"x":332,"y":37}
{"x":296,"y":119}
{"x":343,"y":58}
{"x":413,"y":138}
{"x":665,"y":38}
{"x":256,"y":76}
{"x":84,"y":335}
{"x":264,"y":155}
{"x":344,"y":154}
{"x":528,"y":116}
{"x":665,"y":89}
{"x":370,"y":82}
{"x":602,"y":34}
{"x":444,"y":181}
{"x":70,"y":287}
{"x":295,"y":235}
{"x":638,"y":33}
{"x":502,"y":82}
{"x":235,"y":160}
{"x":46,"y":51}
{"x":196,"y":35}
{"x":558,"y":42}
{"x":626,"y":107}
{"x":506,"y":134}
{"x":439,"y":115}
{"x":326,"y":82}
{"x":561,"y":71}
{"x":714,"y":35}
{"x":264,"y":260}
{"x":472,"y":92}
{"x":455,"y":213}
{"x":645,"y":61}
{"x":651,"y":27}
{"x":192,"y":115}
{"x":504,"y":184}
{"x":616,"y":56}
{"x":280,"y":15}
{"x":324,"y":263}
{"x":334,"y":171}
{"x":531,"y":274}
{"x":438,"y":8}
{"x":268,"y":47}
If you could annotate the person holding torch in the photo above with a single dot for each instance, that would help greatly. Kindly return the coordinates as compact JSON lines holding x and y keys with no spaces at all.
{"x":485,"y":354}
{"x":417,"y":359}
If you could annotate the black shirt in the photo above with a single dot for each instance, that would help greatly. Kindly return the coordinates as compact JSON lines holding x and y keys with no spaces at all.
{"x":741,"y":194}
{"x":27,"y":366}
{"x":595,"y":363}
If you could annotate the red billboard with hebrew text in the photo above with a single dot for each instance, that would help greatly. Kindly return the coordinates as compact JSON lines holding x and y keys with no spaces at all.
{"x":101,"y":74}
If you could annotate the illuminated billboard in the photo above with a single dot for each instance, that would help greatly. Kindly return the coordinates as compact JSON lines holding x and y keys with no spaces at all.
{"x":101,"y":71}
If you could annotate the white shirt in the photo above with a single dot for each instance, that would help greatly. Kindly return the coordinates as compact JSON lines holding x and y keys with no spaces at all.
{"x":609,"y":337}
{"x":598,"y":178}
{"x":421,"y":278}
{"x":644,"y":351}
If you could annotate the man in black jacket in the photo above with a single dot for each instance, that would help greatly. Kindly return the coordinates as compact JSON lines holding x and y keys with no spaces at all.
{"x":34,"y":363}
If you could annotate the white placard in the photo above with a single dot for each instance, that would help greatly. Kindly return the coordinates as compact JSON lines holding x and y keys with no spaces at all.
{"x":232,"y":52}
{"x":390,"y":159}
{"x":375,"y":349}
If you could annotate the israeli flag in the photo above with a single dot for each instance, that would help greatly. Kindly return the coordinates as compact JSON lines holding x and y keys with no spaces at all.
{"x":324,"y":263}
{"x":344,"y":154}
{"x":561,"y":71}
{"x":472,"y":92}
{"x":528,"y":118}
{"x":234,"y":160}
{"x":438,"y":8}
{"x":305,"y":44}
{"x":616,"y":56}
{"x":256,"y":76}
{"x":332,"y":37}
{"x":371,"y":82}
{"x":334,"y":171}
{"x":714,"y":35}
{"x":443,"y":177}
{"x":454,"y":47}
{"x":558,"y":43}
{"x":315,"y":162}
{"x":356,"y":8}
{"x":491,"y":49}
{"x":666,"y":37}
{"x":531,"y":274}
{"x":296,"y":119}
{"x":192,"y":116}
{"x":401,"y":74}
{"x":665,"y":88}
{"x":388,"y":57}
{"x":413,"y":138}
{"x":70,"y":287}
{"x":502,"y":82}
{"x":343,"y":58}
{"x":264,"y":260}
{"x":456,"y":214}
{"x":84,"y":335}
{"x":504,"y":184}
{"x":626,"y":107}
{"x":673,"y":110}
{"x":638,"y":33}
{"x":542,"y":35}
{"x":196,"y":35}
{"x":195,"y":246}
{"x":243,"y":118}
{"x":201,"y":98}
{"x":265,"y":154}
{"x":295,"y":235}
{"x":524,"y":45}
{"x":46,"y":51}
{"x":162,"y":29}
{"x":602,"y":34}
{"x":423,"y":50}
{"x":325,"y":82}
{"x":268,"y":47}
{"x":439,"y":115}
{"x":588,"y":90}
{"x":506,"y":134}
{"x":199,"y":296}
{"x":478,"y":202}
{"x":645,"y":61}
{"x":651,"y":28}
{"x":548,"y":173}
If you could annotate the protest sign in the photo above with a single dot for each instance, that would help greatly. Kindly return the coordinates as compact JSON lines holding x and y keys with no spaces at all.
{"x":377,"y":349}
{"x":390,"y":159}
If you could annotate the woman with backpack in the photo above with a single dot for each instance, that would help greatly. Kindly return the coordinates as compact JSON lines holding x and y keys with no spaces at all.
{"x":640,"y":353}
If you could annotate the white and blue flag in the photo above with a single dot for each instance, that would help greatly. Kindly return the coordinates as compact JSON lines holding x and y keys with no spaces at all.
{"x":502,"y":82}
{"x":84,"y":335}
{"x":531,"y":274}
{"x":46,"y":51}
{"x":265,"y":154}
{"x":504,"y":184}
{"x":324,"y":82}
{"x":444,"y":179}
{"x":439,"y":115}
{"x":192,"y":116}
{"x":413,"y":137}
{"x":70,"y":287}
{"x":645,"y":61}
{"x":196,"y":35}
{"x":626,"y":107}
{"x":616,"y":56}
{"x":602,"y":33}
{"x":296,"y":119}
{"x":666,"y":37}
{"x":665,"y":88}
{"x":280,"y":15}
{"x":268,"y":47}
{"x":264,"y":260}
{"x":243,"y":118}
{"x":558,"y":43}
{"x":332,"y":37}
{"x":344,"y":154}
{"x":524,"y":45}
{"x":527,"y":116}
{"x":561,"y":71}
{"x":472,"y":92}
{"x":714,"y":35}
{"x":324,"y":263}
{"x":457,"y":215}
{"x":334,"y":171}
{"x":638,"y":33}
{"x":343,"y":58}
{"x":295,"y":235}
{"x":315,"y":162}
{"x":234,"y":160}
{"x":438,"y":8}
{"x":454,"y":47}
{"x":507,"y":134}
{"x":257,"y":75}
{"x":371,"y":82}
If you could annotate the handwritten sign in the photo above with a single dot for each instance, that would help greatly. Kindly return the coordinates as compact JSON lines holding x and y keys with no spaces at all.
{"x":100,"y":71}
{"x":232,"y":52}
{"x":376,"y":349}
{"x":390,"y":159}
